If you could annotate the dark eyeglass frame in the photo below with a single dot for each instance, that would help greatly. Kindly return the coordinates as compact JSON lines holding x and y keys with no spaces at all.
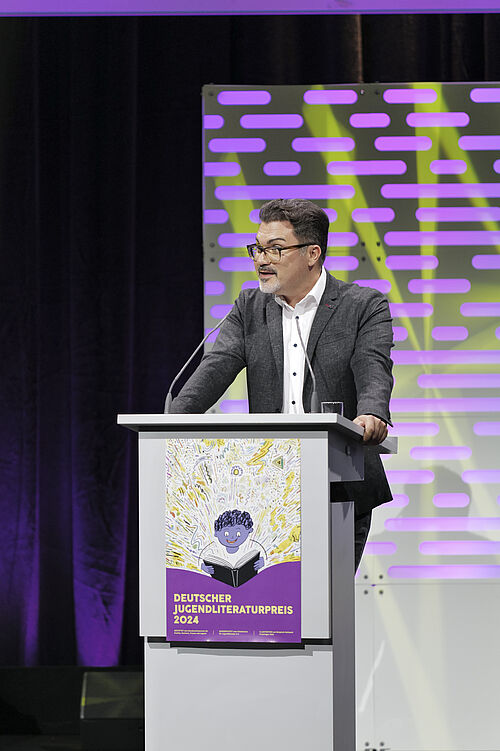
{"x":274,"y":249}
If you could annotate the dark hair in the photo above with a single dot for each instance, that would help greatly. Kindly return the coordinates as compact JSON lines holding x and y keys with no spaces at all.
{"x":232,"y":518}
{"x":309,"y":222}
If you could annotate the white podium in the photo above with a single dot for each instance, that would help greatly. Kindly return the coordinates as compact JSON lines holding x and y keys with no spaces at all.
{"x":256,"y":697}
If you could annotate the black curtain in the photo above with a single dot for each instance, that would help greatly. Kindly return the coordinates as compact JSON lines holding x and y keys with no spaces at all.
{"x":101,"y":272}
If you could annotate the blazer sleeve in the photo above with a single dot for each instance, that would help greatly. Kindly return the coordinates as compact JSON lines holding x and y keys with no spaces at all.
{"x":217,"y":369}
{"x":371,"y":361}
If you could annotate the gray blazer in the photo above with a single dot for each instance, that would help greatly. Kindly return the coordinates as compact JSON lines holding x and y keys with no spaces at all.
{"x":349,"y":347}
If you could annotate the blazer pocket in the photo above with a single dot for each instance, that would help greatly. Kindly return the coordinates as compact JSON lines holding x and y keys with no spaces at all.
{"x":335,"y":339}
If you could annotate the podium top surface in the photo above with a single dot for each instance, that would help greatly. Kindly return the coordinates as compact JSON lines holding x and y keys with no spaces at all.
{"x":209,"y":421}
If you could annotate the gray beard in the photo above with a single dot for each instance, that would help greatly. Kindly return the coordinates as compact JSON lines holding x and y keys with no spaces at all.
{"x":270,"y":287}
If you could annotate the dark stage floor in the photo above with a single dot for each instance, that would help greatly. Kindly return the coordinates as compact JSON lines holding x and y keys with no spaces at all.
{"x":40,"y":743}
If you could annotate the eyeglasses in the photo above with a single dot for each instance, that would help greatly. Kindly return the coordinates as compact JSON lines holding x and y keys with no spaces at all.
{"x":274,"y":252}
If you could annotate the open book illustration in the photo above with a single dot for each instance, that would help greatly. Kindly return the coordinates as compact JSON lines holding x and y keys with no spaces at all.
{"x":235,"y":576}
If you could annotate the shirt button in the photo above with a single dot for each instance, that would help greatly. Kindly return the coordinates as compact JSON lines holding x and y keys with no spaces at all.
{"x":294,"y":373}
{"x":293,"y":402}
{"x":294,"y":345}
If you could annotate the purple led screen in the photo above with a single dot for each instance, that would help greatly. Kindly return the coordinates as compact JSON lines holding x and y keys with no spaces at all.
{"x":443,"y":237}
{"x":213,"y":336}
{"x":414,"y":429}
{"x":410,"y":476}
{"x":403,"y":143}
{"x":437,"y":119}
{"x":235,"y":240}
{"x":448,"y":167}
{"x":481,"y":476}
{"x":438,"y":286}
{"x":341,"y":263}
{"x":383,"y":285}
{"x":282,"y":168}
{"x":399,"y":333}
{"x":485,"y":95}
{"x":440,"y":453}
{"x":459,"y":547}
{"x":234,"y":406}
{"x":472,"y":571}
{"x":449,"y":333}
{"x":409,"y":96}
{"x":487,"y":428}
{"x":215,"y":288}
{"x":215,"y":216}
{"x":213,"y":122}
{"x":459,"y":381}
{"x":427,"y":238}
{"x":480,"y":309}
{"x":330,"y":96}
{"x":411,"y":262}
{"x":369,"y":120}
{"x":443,"y":190}
{"x":370,"y":167}
{"x":373,"y":215}
{"x":222,"y":169}
{"x":451,"y":500}
{"x":342,"y":239}
{"x":446,"y":357}
{"x":334,"y":143}
{"x":380,"y":548}
{"x":487,"y":262}
{"x":411,"y":309}
{"x":245,"y":97}
{"x":446,"y":404}
{"x":458,"y":214}
{"x":443,"y":524}
{"x":242,"y":145}
{"x":479,"y":143}
{"x":236,"y":264}
{"x":219,"y":311}
{"x":271,"y":121}
{"x":266,"y":192}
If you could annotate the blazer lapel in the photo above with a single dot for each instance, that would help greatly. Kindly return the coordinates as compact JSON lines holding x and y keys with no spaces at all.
{"x":275,"y":329}
{"x":326,"y":308}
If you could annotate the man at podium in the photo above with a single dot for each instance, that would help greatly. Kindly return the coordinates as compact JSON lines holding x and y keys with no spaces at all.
{"x":305,"y":337}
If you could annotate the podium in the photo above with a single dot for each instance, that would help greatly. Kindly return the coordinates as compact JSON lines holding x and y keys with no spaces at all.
{"x":256,"y":695}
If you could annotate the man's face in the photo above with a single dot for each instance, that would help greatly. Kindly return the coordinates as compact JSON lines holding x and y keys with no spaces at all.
{"x":294,"y":275}
{"x":233,"y":537}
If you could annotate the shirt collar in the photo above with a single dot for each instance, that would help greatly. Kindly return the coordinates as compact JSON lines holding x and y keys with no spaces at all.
{"x":315,"y":294}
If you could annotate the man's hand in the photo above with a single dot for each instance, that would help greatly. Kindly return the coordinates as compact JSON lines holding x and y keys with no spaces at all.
{"x":375,"y":429}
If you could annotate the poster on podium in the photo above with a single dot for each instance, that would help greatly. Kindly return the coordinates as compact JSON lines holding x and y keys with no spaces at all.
{"x":232,"y":539}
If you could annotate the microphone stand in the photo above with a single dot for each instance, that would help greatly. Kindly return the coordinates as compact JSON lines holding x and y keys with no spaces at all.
{"x":314,"y":396}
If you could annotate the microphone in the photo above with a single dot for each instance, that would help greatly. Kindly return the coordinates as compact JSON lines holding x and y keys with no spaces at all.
{"x":168,"y":400}
{"x":314,"y":396}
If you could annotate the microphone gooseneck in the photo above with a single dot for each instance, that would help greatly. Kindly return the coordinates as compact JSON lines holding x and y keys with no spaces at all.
{"x":168,"y":399}
{"x":314,"y":396}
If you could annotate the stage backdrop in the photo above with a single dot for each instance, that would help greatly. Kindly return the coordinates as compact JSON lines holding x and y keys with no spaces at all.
{"x":409,"y":177}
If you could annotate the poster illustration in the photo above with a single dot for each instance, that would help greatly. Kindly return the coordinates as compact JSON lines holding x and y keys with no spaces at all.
{"x":232,"y":533}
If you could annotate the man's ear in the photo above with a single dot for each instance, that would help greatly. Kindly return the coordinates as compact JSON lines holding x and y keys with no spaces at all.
{"x":314,"y":253}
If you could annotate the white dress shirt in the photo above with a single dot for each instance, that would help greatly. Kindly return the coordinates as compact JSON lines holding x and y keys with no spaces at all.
{"x":294,"y":361}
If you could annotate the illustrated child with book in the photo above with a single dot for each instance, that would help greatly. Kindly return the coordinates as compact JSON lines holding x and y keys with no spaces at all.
{"x":237,"y":557}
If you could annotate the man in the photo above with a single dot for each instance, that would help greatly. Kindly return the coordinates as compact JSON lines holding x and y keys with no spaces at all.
{"x":346,"y":329}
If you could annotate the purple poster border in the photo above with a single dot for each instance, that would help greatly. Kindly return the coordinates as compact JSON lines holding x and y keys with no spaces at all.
{"x":265,"y":609}
{"x":238,"y":7}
